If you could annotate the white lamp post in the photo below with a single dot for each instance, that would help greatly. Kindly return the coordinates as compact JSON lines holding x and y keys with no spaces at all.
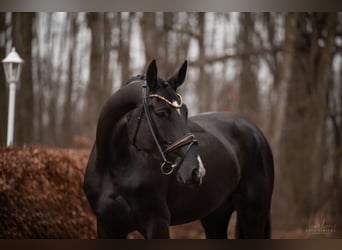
{"x":12,"y":67}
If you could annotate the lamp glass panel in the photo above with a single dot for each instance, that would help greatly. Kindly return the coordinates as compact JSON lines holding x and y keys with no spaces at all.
{"x":12,"y":71}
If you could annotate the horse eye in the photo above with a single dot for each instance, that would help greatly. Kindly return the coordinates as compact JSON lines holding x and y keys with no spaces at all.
{"x":162,"y":113}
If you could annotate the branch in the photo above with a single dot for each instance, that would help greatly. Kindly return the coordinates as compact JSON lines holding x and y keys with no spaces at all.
{"x":182,"y":31}
{"x":234,"y":55}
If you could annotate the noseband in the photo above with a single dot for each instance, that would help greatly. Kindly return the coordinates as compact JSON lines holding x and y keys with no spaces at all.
{"x":166,"y":166}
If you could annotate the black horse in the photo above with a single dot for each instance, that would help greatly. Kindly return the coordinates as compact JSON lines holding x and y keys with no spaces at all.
{"x":152,"y":167}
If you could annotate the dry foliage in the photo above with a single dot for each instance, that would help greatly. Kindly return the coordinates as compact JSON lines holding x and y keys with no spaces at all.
{"x":41,"y":194}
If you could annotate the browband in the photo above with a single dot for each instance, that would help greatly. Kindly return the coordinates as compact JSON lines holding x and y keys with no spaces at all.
{"x":177,"y":106}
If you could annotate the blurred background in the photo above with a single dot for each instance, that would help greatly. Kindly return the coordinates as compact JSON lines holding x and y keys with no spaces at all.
{"x":281,"y":70}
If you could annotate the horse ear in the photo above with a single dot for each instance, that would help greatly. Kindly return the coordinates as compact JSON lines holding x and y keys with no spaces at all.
{"x":151,"y":75}
{"x":177,"y":78}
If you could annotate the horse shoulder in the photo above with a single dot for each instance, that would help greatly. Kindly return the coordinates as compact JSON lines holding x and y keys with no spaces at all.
{"x":217,"y":148}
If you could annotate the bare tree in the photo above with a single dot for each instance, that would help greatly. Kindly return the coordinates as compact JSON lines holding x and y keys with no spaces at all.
{"x":248,"y":101}
{"x":22,"y":39}
{"x":125,"y":28}
{"x":68,"y":103}
{"x":204,"y":89}
{"x":149,"y":35}
{"x":302,"y":109}
{"x":3,"y":89}
{"x":93,"y":93}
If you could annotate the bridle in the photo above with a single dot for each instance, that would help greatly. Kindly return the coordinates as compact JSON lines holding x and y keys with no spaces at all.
{"x":166,"y":166}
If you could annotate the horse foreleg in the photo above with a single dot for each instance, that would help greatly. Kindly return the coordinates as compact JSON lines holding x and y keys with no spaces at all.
{"x":109,"y":231}
{"x":113,"y":218}
{"x":216,"y":223}
{"x":155,"y":228}
{"x":267,"y":232}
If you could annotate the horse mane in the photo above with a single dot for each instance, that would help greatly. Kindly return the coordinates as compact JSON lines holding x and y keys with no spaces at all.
{"x":120,"y":103}
{"x":136,"y":78}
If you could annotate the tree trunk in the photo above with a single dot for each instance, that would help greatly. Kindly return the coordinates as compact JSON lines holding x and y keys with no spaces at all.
{"x":249,"y":102}
{"x":3,"y":88}
{"x":149,"y":35}
{"x":124,"y":47}
{"x":300,"y":120}
{"x":281,"y":91}
{"x":93,"y":92}
{"x":204,"y":91}
{"x":107,"y":40}
{"x":68,"y":105}
{"x":22,"y":41}
{"x":280,"y":99}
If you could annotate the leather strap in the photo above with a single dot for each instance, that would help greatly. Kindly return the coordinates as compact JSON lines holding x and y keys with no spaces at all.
{"x":166,"y":166}
{"x":181,"y":142}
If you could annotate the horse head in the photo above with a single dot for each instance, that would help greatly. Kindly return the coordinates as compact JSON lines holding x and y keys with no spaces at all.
{"x":159,"y":126}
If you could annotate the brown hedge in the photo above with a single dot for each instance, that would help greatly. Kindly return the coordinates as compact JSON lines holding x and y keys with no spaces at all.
{"x":41,"y":194}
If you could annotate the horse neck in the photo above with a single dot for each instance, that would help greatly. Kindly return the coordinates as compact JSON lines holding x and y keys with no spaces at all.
{"x":119,"y":142}
{"x":119,"y":104}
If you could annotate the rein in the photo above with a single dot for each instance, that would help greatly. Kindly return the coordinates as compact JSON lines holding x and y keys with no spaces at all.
{"x":166,"y":166}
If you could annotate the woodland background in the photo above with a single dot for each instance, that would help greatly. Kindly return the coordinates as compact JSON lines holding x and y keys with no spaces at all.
{"x":281,"y":70}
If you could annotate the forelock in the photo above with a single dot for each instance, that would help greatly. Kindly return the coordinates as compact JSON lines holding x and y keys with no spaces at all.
{"x":166,"y":90}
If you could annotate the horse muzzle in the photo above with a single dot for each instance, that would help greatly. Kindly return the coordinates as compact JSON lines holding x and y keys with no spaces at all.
{"x":194,"y":181}
{"x":198,"y":173}
{"x":192,"y":172}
